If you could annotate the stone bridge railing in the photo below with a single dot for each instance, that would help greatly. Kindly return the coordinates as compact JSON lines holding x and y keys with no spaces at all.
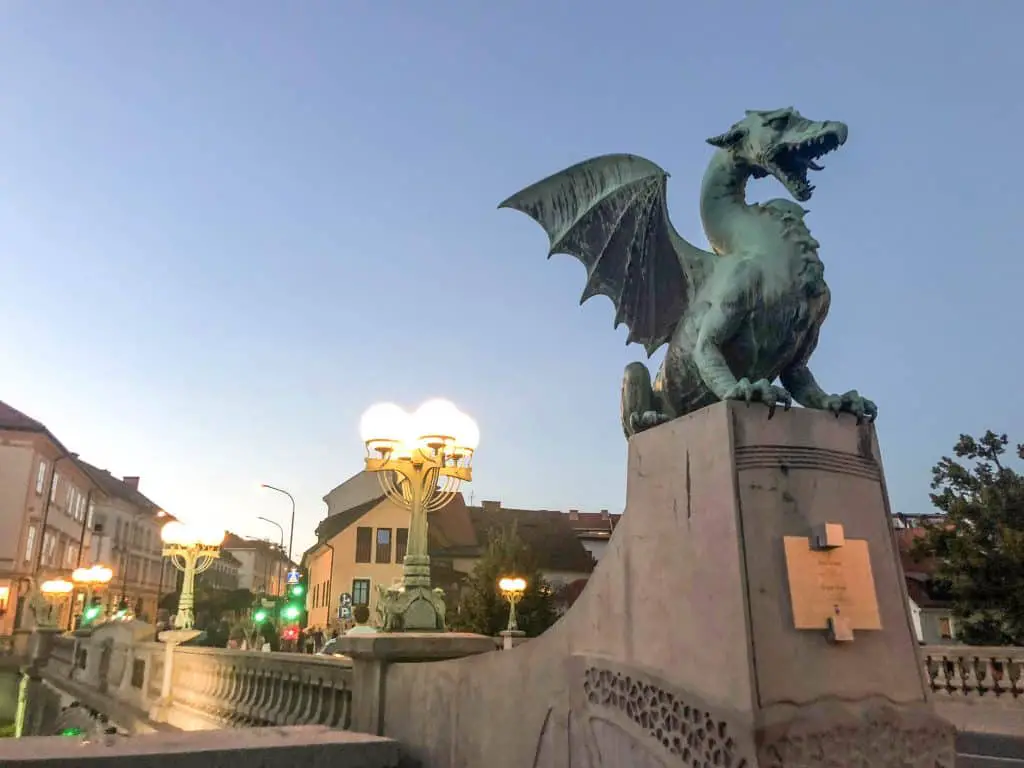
{"x":211,"y":687}
{"x":976,"y":687}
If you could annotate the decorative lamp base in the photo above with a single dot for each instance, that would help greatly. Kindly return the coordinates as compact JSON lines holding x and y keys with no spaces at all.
{"x":511,"y":638}
{"x":414,"y":609}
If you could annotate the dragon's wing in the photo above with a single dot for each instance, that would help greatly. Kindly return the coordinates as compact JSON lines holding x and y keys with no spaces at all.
{"x":610,"y":213}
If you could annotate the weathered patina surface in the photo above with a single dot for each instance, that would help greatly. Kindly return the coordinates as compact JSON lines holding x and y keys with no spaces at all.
{"x":736,"y":318}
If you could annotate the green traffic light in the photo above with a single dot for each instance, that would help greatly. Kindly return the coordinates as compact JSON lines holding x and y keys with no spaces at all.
{"x":291,"y":612}
{"x":72,"y":732}
{"x":260,"y":616}
{"x":297,"y":590}
{"x":91,"y":613}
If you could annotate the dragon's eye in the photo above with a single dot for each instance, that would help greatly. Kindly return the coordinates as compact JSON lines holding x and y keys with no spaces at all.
{"x":779,"y":123}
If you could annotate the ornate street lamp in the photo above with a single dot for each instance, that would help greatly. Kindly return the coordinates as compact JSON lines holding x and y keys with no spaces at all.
{"x":512,"y":589}
{"x":91,"y":578}
{"x":192,"y":551}
{"x":420,"y":460}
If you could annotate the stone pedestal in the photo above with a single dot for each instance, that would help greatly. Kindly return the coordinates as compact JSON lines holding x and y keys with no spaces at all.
{"x":174,"y":637}
{"x":722,"y":490}
{"x":510,"y":638}
{"x":372,"y":655}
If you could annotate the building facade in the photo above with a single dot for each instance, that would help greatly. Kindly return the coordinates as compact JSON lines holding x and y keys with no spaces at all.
{"x":126,"y":538}
{"x":262,"y":565}
{"x":46,"y":499}
{"x":224,"y":573}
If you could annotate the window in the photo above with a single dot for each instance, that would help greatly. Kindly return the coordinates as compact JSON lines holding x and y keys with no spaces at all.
{"x":401,"y":544}
{"x":383,"y":545}
{"x":71,"y":556}
{"x":49,"y":547}
{"x":30,"y":543}
{"x":53,"y":486}
{"x":92,"y":509}
{"x":41,"y":478}
{"x":364,"y":543}
{"x":313,"y":597}
{"x":360,"y":591}
{"x":69,"y":501}
{"x":946,"y":628}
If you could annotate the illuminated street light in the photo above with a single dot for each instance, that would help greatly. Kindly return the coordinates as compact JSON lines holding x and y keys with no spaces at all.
{"x":56,"y":587}
{"x":192,"y":551}
{"x":512,"y":590}
{"x":91,"y":578}
{"x":420,"y":460}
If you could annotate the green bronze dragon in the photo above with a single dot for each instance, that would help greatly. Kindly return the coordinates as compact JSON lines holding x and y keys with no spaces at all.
{"x":735,"y":319}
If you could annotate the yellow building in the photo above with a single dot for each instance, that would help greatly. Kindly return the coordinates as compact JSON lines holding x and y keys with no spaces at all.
{"x":362,"y":542}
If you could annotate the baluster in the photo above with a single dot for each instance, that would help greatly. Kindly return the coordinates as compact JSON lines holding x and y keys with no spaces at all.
{"x":276,"y":692}
{"x":995,"y":672}
{"x":220,"y":692}
{"x":239,"y":695}
{"x":972,"y":685}
{"x":1015,"y":676}
{"x":248,"y":705}
{"x":318,"y":701}
{"x":259,"y":710}
{"x":290,"y":695}
{"x":302,"y":690}
{"x":226,"y":705}
{"x":956,"y":675}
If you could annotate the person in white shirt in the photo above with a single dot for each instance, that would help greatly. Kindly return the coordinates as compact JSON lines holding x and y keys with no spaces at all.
{"x":361,"y":614}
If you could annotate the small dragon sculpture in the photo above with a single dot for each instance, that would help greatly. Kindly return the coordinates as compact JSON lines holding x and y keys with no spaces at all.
{"x":736,"y":318}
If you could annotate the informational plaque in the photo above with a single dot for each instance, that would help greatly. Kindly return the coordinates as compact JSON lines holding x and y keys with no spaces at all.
{"x":831,"y":582}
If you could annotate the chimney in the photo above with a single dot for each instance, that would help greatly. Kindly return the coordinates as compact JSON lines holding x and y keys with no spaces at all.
{"x":574,"y":514}
{"x":604,"y":514}
{"x":491,"y":506}
{"x":132,"y":481}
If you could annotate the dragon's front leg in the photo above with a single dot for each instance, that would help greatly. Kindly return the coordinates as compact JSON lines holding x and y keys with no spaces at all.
{"x":799,"y":380}
{"x":719,"y":325}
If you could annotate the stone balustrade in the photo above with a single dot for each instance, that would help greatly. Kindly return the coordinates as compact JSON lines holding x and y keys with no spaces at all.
{"x":975,"y":672}
{"x":250,"y":688}
{"x":211,"y":687}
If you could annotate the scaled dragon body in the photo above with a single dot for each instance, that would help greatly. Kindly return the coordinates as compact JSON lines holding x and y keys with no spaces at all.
{"x":735,"y":319}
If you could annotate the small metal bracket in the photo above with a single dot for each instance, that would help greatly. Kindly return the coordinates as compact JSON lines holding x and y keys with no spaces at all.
{"x":827,"y":536}
{"x":839,"y":629}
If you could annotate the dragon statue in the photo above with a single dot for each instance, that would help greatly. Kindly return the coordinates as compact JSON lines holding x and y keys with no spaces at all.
{"x":735,"y":318}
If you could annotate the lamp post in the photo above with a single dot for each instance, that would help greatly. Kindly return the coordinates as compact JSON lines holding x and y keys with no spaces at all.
{"x":512,"y":590}
{"x":420,"y":461}
{"x":91,"y":578}
{"x":291,"y":529}
{"x":191,"y":551}
{"x":281,"y":546}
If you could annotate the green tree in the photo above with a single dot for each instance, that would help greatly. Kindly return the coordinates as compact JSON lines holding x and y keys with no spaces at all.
{"x":978,"y":545}
{"x":483,"y":610}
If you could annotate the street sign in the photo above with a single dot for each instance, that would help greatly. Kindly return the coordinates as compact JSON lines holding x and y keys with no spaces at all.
{"x":293,"y":577}
{"x":345,"y":612}
{"x":346,"y":599}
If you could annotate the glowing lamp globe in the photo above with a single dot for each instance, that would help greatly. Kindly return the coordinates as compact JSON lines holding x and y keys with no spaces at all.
{"x":512,"y":585}
{"x":466,"y":433}
{"x":209,"y":536}
{"x":384,"y":427}
{"x":56,"y":587}
{"x":175,"y":533}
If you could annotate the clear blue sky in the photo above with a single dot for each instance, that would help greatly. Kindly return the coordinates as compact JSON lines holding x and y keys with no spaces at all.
{"x":227,"y":228}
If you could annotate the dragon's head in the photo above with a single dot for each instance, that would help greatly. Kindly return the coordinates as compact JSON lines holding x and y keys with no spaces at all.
{"x":782,"y":143}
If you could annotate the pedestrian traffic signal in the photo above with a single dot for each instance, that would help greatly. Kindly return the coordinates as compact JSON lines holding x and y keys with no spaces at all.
{"x":291,"y":612}
{"x":297,"y":590}
{"x":259,"y":617}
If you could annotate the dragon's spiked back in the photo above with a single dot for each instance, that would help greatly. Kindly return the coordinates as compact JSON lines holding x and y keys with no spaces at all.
{"x":610,"y":213}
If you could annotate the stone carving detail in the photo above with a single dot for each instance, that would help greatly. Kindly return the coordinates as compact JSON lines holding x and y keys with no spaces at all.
{"x":688,"y":732}
{"x":880,"y":737}
{"x":798,"y":457}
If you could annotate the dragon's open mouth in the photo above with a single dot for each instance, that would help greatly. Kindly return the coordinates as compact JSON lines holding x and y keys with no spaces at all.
{"x":791,"y":162}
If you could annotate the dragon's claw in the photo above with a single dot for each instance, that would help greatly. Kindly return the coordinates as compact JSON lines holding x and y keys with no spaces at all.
{"x":641,"y":421}
{"x":761,"y":391}
{"x":851,"y":402}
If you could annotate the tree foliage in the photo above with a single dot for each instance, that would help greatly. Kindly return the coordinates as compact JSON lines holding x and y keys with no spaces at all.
{"x":483,"y":610}
{"x":978,"y":546}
